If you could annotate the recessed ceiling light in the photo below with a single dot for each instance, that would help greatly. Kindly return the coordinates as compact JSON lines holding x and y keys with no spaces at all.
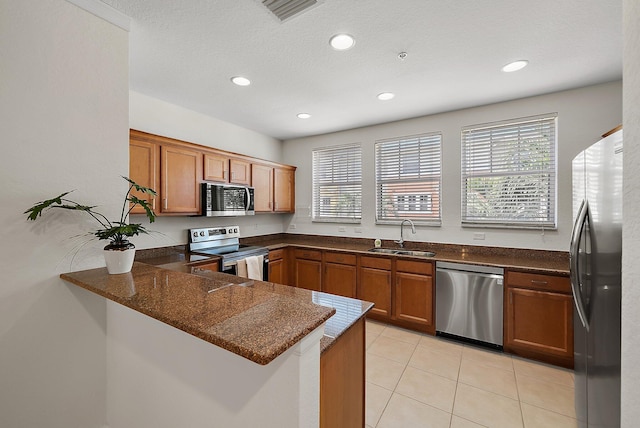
{"x":342,"y":42}
{"x":304,"y":115}
{"x":241,"y":81}
{"x":515,"y":66}
{"x":385,"y":96}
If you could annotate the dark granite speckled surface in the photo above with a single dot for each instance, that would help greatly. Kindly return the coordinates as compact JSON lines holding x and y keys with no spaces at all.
{"x":254,"y":319}
{"x":542,"y":261}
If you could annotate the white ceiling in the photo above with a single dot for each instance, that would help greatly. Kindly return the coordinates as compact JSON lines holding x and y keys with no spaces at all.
{"x":185,"y":52}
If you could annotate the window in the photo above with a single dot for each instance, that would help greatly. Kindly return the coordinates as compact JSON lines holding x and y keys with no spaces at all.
{"x":337,"y":184}
{"x":509,"y":173}
{"x":408,"y":178}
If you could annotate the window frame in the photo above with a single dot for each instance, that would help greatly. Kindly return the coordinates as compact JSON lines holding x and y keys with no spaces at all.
{"x":354,"y":149}
{"x":424,"y":175}
{"x":551,"y":221}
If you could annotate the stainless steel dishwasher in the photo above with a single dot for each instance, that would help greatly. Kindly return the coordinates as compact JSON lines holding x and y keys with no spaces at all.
{"x":469,"y":302}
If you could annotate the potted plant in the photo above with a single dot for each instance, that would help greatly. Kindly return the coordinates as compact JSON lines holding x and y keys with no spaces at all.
{"x":119,"y":253}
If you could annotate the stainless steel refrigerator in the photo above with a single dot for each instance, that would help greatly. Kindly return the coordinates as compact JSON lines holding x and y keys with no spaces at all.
{"x":595,"y":256}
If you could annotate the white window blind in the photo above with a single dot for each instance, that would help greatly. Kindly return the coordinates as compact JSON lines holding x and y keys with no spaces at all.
{"x":509,"y":173}
{"x":408,"y":179}
{"x":337,"y":184}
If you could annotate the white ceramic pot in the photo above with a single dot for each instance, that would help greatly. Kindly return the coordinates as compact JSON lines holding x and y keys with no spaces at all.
{"x":119,"y":259}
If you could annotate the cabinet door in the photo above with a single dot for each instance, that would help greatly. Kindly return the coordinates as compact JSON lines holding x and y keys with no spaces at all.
{"x":414,"y":299}
{"x":339,"y":279}
{"x":375,"y":287}
{"x":216,"y":167}
{"x":240,"y":171}
{"x":144,"y":169}
{"x":539,"y":321}
{"x":308,"y":274}
{"x":276,"y":271}
{"x":284,"y":193}
{"x":262,"y":182}
{"x":181,"y":172}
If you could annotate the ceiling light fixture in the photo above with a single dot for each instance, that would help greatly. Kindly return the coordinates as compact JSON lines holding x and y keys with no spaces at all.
{"x":304,"y":115}
{"x":342,"y":42}
{"x":241,"y":81}
{"x":515,"y":66}
{"x":386,"y":96}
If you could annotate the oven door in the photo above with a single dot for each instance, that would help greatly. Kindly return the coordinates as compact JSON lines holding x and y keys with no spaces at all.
{"x":231,"y":267}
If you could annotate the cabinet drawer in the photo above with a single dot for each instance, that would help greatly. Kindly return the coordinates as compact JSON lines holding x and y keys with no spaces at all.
{"x":341,"y":258}
{"x":276,"y":254}
{"x":410,"y":266}
{"x":375,"y":262}
{"x":539,"y":281}
{"x":308,"y":254}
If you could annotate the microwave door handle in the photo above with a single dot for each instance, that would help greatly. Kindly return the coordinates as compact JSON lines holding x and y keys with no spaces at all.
{"x":574,"y":253}
{"x":247,"y":204}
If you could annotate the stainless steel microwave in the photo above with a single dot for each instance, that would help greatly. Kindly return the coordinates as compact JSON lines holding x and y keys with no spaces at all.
{"x":219,"y":200}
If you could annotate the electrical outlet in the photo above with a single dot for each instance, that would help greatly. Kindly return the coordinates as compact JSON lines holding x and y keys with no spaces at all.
{"x":292,"y":226}
{"x":478,"y":236}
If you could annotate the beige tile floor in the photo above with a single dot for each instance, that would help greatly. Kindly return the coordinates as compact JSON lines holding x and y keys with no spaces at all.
{"x":416,"y":380}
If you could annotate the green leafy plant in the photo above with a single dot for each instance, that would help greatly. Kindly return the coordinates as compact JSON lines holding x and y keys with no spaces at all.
{"x":116,"y":232}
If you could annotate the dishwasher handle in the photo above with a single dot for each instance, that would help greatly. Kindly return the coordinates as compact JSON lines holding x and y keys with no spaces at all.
{"x":497,"y":276}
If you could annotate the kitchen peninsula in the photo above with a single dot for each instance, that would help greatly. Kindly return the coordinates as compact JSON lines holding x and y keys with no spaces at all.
{"x":263,"y":371}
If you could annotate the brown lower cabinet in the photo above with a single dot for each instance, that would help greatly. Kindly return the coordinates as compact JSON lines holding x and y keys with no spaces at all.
{"x":340,"y":274}
{"x":342,"y":380}
{"x":375,"y":286}
{"x":414,"y":294}
{"x":538,"y":320}
{"x":307,"y":269}
{"x":277,"y":272}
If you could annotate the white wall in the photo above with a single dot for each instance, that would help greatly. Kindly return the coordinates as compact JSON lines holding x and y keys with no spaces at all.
{"x":631,"y":225}
{"x":583,"y":115}
{"x":64,"y":109}
{"x":159,"y":117}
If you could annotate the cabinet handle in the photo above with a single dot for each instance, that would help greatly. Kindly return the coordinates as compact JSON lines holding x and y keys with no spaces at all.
{"x":153,"y":203}
{"x":536,"y":282}
{"x":224,"y":174}
{"x":165,"y":204}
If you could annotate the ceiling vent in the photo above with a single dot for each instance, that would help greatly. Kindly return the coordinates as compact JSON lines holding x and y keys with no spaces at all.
{"x":286,"y":9}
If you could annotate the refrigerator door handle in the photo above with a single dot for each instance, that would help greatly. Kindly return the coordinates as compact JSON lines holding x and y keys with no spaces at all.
{"x":574,"y":250}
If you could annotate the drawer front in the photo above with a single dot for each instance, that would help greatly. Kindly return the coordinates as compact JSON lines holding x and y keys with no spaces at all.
{"x":539,"y":281}
{"x":341,"y":258}
{"x":308,"y":254}
{"x":276,"y":254}
{"x":410,"y":266}
{"x":375,"y":262}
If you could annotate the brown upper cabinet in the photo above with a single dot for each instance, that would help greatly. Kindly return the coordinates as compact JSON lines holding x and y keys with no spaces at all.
{"x":274,"y":188}
{"x":180,"y":170}
{"x":222,"y":168}
{"x":283,"y":193}
{"x":175,"y":169}
{"x":144,"y":169}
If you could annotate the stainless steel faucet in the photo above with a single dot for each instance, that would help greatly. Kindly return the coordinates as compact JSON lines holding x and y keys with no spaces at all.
{"x":413,"y":230}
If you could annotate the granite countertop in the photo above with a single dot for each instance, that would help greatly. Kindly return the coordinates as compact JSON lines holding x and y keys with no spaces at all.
{"x":254,"y":319}
{"x":550,"y":262}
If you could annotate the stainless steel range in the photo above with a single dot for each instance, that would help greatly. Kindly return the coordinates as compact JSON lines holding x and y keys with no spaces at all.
{"x":225,"y":242}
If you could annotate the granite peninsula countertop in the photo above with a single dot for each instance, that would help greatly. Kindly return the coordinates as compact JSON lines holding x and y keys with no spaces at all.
{"x":254,"y":319}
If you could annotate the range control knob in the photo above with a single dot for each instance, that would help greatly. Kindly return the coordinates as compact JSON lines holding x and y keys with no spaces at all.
{"x":202,"y":233}
{"x":195,"y":234}
{"x":235,"y":230}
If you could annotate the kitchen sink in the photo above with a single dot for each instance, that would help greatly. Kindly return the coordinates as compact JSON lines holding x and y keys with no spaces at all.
{"x":402,"y":252}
